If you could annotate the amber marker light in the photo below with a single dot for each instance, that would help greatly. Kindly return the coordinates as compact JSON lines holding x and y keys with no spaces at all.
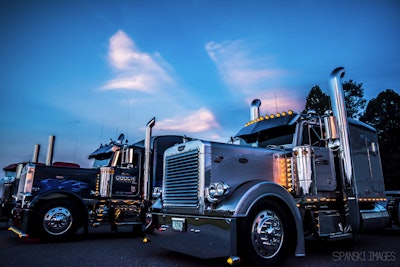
{"x":233,"y":260}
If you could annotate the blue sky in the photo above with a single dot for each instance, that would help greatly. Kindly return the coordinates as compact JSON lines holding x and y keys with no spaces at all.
{"x":86,"y":71}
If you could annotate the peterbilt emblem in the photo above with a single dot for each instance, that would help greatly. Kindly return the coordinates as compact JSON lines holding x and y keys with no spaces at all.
{"x":181,"y":148}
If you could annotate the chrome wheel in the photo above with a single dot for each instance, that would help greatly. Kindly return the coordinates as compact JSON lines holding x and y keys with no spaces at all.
{"x":57,"y":221}
{"x":267,"y":234}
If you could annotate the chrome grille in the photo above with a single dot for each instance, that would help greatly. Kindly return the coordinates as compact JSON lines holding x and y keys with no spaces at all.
{"x":181,"y":180}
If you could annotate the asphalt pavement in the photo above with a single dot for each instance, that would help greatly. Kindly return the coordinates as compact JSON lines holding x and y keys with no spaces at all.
{"x":104,"y":248}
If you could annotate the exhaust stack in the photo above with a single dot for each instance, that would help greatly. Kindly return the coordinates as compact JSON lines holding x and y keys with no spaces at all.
{"x":50,"y":150}
{"x":339,"y":111}
{"x":147,"y":152}
{"x":36,"y":151}
{"x":255,"y":109}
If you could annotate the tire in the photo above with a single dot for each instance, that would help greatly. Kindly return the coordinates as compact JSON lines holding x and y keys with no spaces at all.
{"x":266,"y":236}
{"x":57,"y":220}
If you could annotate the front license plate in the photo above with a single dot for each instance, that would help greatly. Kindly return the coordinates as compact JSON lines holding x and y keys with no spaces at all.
{"x":178,"y":224}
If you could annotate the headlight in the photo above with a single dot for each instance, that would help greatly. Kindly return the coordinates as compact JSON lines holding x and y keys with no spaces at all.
{"x":216,"y":190}
{"x":157,"y":192}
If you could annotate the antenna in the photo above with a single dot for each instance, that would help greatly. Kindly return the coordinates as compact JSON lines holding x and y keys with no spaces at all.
{"x":101,"y":131}
{"x":128,"y":121}
{"x":276,"y":103}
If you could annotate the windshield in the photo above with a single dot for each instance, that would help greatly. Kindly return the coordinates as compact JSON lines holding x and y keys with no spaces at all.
{"x":101,"y":162}
{"x":278,"y":136}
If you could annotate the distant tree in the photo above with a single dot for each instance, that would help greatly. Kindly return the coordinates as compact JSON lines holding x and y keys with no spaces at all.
{"x":354,"y":98}
{"x":317,"y":100}
{"x":383,"y":113}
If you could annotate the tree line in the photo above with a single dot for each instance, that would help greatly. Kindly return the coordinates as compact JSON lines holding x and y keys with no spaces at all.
{"x":382,"y":112}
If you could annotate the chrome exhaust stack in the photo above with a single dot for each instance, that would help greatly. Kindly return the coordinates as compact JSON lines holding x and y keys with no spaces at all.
{"x":36,"y":151}
{"x":50,"y":150}
{"x":147,"y":152}
{"x":337,"y":129}
{"x":339,"y":111}
{"x":255,"y":109}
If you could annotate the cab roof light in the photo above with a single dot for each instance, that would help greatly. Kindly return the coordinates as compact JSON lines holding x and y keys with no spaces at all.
{"x":270,"y":116}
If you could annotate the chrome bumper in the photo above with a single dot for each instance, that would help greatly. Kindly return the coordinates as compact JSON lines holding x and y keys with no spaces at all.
{"x":202,"y":237}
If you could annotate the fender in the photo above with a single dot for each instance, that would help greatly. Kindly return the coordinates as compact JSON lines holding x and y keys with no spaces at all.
{"x":49,"y":195}
{"x":61,"y":194}
{"x":244,"y":198}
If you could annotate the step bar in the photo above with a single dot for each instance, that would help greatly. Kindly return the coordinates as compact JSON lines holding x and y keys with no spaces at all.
{"x":17,"y":232}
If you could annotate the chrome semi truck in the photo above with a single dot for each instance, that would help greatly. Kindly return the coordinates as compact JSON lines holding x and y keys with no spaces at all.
{"x":284,"y":178}
{"x":53,"y":202}
{"x":10,"y":182}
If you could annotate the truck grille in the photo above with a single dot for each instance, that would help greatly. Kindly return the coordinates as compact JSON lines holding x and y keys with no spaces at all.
{"x":181,"y":180}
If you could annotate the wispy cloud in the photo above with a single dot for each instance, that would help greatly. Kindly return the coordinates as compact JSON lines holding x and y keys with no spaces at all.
{"x":155,"y":90}
{"x":241,"y":68}
{"x":134,"y":69}
{"x":251,"y":74}
{"x":278,"y":101}
{"x":197,"y":121}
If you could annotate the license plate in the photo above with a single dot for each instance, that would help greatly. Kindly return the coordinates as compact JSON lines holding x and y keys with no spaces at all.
{"x":178,"y":224}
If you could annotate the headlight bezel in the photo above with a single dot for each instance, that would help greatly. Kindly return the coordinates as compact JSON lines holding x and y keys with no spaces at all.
{"x":215,"y":191}
{"x":157,"y":192}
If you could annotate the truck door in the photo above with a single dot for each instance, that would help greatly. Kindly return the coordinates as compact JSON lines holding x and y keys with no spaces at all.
{"x":324,"y":170}
{"x":366,"y":162}
{"x":124,"y":174}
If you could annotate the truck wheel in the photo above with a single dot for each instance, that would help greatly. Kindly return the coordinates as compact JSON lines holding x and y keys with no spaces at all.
{"x":57,"y":220}
{"x":267,"y":236}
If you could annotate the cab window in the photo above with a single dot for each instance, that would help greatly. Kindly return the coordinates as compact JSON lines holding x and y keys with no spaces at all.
{"x":312,"y":135}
